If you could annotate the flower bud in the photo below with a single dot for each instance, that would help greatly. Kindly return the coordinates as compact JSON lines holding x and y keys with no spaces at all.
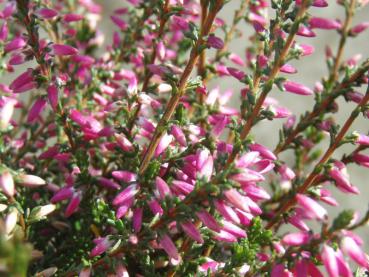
{"x":15,"y":44}
{"x":126,"y":194}
{"x":7,"y":183}
{"x":30,"y":180}
{"x":324,"y":23}
{"x":190,"y":229}
{"x":36,"y":109}
{"x":11,"y":221}
{"x":46,"y":13}
{"x":64,"y":50}
{"x":297,"y":88}
{"x":311,"y":207}
{"x":215,"y":42}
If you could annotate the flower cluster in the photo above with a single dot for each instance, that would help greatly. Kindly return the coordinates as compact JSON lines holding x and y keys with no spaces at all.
{"x":122,"y":156}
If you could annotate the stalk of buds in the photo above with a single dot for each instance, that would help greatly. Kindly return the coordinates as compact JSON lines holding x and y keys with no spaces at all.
{"x":121,"y":155}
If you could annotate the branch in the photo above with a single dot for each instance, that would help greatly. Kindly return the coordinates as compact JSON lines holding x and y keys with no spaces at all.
{"x":315,"y":173}
{"x":174,"y":100}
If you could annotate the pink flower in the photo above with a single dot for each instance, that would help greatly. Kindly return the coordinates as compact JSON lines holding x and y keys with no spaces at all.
{"x":124,"y":143}
{"x":361,"y":27}
{"x":361,"y":159}
{"x":330,"y":261}
{"x":120,"y":23}
{"x":124,"y":176}
{"x":30,"y":180}
{"x":8,"y":10}
{"x":178,"y":135}
{"x":255,"y":192}
{"x":280,"y":271}
{"x":155,"y":207}
{"x":204,"y":164}
{"x":297,"y":221}
{"x":6,"y":112}
{"x":311,"y":207}
{"x":36,"y":109}
{"x":64,"y":50}
{"x":263,"y":151}
{"x":72,"y":17}
{"x":350,"y":247}
{"x":46,"y":13}
{"x":191,"y":230}
{"x":4,"y":31}
{"x":238,"y":74}
{"x":305,"y":32}
{"x":11,"y":221}
{"x":361,"y":139}
{"x":160,"y":50}
{"x":128,"y":193}
{"x":162,"y":188}
{"x":286,"y":172}
{"x":215,"y":42}
{"x":15,"y":44}
{"x":339,"y":174}
{"x":306,"y":49}
{"x":7,"y":183}
{"x":208,"y":220}
{"x":52,"y":93}
{"x":316,"y":3}
{"x":102,"y":245}
{"x":324,"y":23}
{"x":124,"y":208}
{"x":233,"y":229}
{"x":227,"y":212}
{"x":17,"y":59}
{"x":180,"y":23}
{"x":236,"y":59}
{"x":167,"y":244}
{"x":23,"y":82}
{"x":256,"y":18}
{"x":107,"y":183}
{"x":343,"y":267}
{"x":137,"y":219}
{"x":209,"y":265}
{"x":236,"y":199}
{"x":165,"y":141}
{"x":62,"y":194}
{"x":73,"y":204}
{"x":287,"y":68}
{"x":296,"y":239}
{"x":297,"y":88}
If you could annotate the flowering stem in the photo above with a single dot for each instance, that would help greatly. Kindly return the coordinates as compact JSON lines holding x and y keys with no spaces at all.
{"x":163,"y":20}
{"x":201,"y":70}
{"x":303,"y":124}
{"x":238,"y":14}
{"x":269,"y":83}
{"x":311,"y":247}
{"x":174,"y":100}
{"x":315,"y":173}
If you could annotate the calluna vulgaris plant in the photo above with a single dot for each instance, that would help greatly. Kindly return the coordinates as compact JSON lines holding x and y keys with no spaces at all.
{"x":122,"y":159}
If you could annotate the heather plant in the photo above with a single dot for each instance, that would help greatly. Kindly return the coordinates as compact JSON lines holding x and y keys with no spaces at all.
{"x":122,"y":156}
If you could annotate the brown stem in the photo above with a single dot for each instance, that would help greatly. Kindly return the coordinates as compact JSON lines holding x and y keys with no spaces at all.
{"x":315,"y":173}
{"x":201,"y":70}
{"x":174,"y":100}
